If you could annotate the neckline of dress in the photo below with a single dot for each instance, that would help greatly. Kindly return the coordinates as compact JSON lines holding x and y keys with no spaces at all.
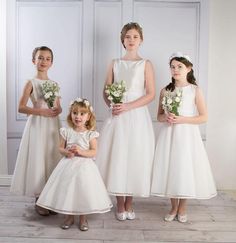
{"x":132,"y":60}
{"x":188,"y":85}
{"x":41,"y":79}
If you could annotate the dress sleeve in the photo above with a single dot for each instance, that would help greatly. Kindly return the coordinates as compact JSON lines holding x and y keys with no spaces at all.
{"x":64,"y":132}
{"x":93,"y":134}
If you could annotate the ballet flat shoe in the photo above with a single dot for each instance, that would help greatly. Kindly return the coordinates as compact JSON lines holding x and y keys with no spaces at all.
{"x":121,"y":216}
{"x":182,"y":218}
{"x":130,"y":215}
{"x":41,"y":211}
{"x":67,"y":225}
{"x":84,"y":226}
{"x":170,"y":217}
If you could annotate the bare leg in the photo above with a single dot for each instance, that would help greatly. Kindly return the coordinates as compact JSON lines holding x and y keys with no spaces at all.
{"x":128,"y":203}
{"x":182,"y":206}
{"x":174,"y":205}
{"x":120,"y":204}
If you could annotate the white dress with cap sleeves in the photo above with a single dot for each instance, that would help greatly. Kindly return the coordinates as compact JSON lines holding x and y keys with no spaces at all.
{"x":76,"y":186}
{"x":126,"y":144}
{"x":38,"y":152}
{"x":181,"y":166}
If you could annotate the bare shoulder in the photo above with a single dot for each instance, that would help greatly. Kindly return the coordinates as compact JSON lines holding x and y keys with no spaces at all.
{"x":148,"y":63}
{"x":28,"y":85}
{"x":162,"y":92}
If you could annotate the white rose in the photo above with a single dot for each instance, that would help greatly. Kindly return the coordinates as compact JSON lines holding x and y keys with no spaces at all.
{"x":169,"y":101}
{"x":177,"y":99}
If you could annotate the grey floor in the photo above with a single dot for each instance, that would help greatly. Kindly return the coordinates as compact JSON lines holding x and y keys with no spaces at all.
{"x":211,"y":220}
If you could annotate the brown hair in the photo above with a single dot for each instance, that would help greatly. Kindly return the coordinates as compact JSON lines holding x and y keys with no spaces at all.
{"x":41,"y":48}
{"x":130,"y":26}
{"x":85,"y":107}
{"x":190,"y":76}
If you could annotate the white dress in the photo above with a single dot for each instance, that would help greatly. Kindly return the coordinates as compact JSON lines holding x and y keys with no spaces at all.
{"x":38,"y":152}
{"x":76,"y":186}
{"x":127,"y":143}
{"x":181,"y":166}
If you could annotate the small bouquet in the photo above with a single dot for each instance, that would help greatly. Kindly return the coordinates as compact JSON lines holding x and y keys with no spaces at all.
{"x":50,"y":90}
{"x":172,"y":100}
{"x":115,"y":91}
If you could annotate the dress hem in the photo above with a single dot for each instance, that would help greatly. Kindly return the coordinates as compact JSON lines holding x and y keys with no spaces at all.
{"x":76,"y":212}
{"x":124,"y":194}
{"x":182,"y":196}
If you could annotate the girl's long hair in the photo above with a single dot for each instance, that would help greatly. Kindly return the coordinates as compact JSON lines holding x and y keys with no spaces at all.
{"x":190,"y":76}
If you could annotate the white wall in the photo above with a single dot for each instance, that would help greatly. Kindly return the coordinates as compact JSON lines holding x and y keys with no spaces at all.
{"x":221,"y":126}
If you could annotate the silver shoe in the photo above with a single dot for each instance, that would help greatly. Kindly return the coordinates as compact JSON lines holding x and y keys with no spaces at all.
{"x":66,"y":225}
{"x":130,"y":215}
{"x":121,"y":216}
{"x":84,"y":226}
{"x":170,"y":217}
{"x":182,"y":218}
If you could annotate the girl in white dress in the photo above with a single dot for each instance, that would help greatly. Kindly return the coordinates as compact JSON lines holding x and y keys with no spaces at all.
{"x":181,"y":167}
{"x":38,"y":152}
{"x":75,"y":186}
{"x":126,"y":145}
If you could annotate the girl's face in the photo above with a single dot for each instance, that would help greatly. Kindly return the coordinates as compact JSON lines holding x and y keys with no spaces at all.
{"x":179,"y":71}
{"x":79,"y":118}
{"x":43,"y":60}
{"x":132,"y":40}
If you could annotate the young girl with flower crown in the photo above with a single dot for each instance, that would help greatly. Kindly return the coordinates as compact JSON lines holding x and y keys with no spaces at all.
{"x":75,"y":186}
{"x":38,"y":151}
{"x":126,"y":145}
{"x":181,"y":167}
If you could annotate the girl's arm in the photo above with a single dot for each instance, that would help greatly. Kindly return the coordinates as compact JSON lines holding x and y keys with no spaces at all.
{"x":23,"y":108}
{"x":62,"y":148}
{"x":109,"y":80}
{"x":89,"y":153}
{"x":161,"y":116}
{"x":57,"y":108}
{"x":202,"y":111}
{"x":145,"y":99}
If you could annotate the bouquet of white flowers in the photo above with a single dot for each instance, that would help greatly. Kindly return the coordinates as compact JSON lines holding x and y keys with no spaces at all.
{"x":115,"y":91}
{"x":172,"y":100}
{"x":50,"y":90}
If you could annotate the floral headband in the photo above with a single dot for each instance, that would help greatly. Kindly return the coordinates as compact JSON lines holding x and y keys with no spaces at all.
{"x":84,"y":101}
{"x":179,"y":54}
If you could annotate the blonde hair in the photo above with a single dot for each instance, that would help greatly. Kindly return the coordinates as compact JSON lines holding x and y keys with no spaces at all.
{"x":130,"y":26}
{"x":84,"y":106}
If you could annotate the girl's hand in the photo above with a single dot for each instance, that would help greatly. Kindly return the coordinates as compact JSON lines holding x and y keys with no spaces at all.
{"x":117,"y":109}
{"x":49,"y":112}
{"x":69,"y":154}
{"x":75,"y":149}
{"x":174,"y":119}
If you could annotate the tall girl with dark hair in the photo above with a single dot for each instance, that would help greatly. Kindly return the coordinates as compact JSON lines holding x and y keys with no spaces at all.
{"x":181,"y":167}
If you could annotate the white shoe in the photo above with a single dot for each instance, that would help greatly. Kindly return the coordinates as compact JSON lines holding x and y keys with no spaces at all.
{"x":182,"y":218}
{"x":121,"y":216}
{"x":130,"y":215}
{"x":170,"y":217}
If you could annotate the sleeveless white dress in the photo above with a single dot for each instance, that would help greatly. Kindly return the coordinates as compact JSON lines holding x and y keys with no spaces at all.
{"x":126,"y":144}
{"x":38,"y":152}
{"x":76,"y":186}
{"x":181,"y":166}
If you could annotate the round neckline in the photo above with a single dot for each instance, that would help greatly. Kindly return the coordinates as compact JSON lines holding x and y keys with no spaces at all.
{"x":183,"y":86}
{"x":42,"y":79}
{"x":132,"y":60}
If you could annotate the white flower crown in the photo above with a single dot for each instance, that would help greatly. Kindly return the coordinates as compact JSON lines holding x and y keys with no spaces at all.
{"x":84,"y":101}
{"x":179,"y":54}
